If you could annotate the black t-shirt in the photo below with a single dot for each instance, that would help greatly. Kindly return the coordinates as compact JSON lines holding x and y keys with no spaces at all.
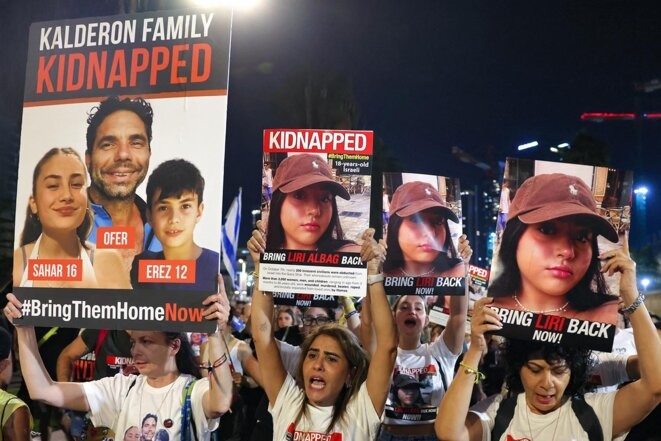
{"x":114,"y":350}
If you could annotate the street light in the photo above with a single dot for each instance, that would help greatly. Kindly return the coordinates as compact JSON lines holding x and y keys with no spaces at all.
{"x":243,"y":278}
{"x":254,"y":216}
{"x":528,"y":145}
{"x":645,"y":282}
{"x":243,"y":4}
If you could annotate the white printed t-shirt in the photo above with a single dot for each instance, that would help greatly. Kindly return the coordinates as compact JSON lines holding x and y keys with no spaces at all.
{"x":361,"y":422}
{"x":290,"y":356}
{"x":561,"y":424}
{"x":423,"y":365}
{"x":113,"y":405}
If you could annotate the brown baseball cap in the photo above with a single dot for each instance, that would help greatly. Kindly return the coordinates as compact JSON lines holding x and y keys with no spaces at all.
{"x":551,"y":196}
{"x":405,"y":380}
{"x":298,"y":171}
{"x":413,"y":197}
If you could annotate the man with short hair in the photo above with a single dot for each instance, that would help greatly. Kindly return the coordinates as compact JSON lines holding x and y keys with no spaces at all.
{"x":119,"y":137}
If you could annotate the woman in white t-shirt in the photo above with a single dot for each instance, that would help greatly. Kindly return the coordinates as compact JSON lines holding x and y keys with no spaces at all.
{"x":547,"y":379}
{"x":339,"y":393}
{"x":166,"y":367}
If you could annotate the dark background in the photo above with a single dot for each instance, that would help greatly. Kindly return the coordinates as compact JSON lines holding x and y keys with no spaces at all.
{"x":425,"y":76}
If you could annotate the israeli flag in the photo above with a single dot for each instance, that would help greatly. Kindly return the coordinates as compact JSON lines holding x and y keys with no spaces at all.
{"x":230,"y":238}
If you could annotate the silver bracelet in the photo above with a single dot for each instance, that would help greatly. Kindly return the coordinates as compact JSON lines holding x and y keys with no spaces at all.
{"x":374,"y":278}
{"x":631,"y":308}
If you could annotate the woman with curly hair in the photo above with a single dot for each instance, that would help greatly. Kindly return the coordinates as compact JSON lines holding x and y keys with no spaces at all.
{"x":547,"y":381}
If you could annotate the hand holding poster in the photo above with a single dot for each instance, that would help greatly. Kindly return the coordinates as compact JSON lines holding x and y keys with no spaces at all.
{"x":547,"y":279}
{"x":311,"y":237}
{"x":110,"y":88}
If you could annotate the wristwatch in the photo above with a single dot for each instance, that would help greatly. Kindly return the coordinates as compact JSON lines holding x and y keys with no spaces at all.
{"x":374,"y":278}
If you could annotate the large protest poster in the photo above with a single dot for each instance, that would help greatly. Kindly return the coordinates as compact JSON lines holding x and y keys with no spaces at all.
{"x":316,"y":192}
{"x":127,"y":95}
{"x":559,"y":219}
{"x":422,"y":226}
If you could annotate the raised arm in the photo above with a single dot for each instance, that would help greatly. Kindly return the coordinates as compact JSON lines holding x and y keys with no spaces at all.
{"x":385,"y":332}
{"x":453,"y":336}
{"x":72,"y":352}
{"x":366,"y":330}
{"x":351,"y":316}
{"x":249,"y":363}
{"x":272,"y":370}
{"x":40,"y":385}
{"x":453,"y":421}
{"x":636,"y":400}
{"x":218,"y":399}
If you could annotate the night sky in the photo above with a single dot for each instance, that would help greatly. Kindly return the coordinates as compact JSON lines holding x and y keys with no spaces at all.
{"x":426,"y":76}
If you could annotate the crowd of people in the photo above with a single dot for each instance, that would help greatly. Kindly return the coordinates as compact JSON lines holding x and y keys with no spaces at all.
{"x":375,"y":369}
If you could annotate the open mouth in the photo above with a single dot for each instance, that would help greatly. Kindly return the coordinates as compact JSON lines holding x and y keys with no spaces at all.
{"x":410,"y":322}
{"x":317,"y":383}
{"x":121,"y":174}
{"x":545,"y":399}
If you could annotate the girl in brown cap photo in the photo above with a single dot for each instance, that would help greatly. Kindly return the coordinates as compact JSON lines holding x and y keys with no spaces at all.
{"x":406,"y":391}
{"x":303,"y":212}
{"x":549,"y":255}
{"x":419,"y":240}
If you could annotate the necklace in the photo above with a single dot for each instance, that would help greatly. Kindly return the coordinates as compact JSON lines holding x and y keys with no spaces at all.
{"x":167,"y":422}
{"x":546,"y":311}
{"x":557,"y":418}
{"x":417,"y":275}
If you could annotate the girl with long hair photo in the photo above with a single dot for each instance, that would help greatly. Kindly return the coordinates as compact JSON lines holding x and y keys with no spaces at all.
{"x":57,"y":224}
{"x":549,"y":255}
{"x":419,"y":240}
{"x":303,"y":213}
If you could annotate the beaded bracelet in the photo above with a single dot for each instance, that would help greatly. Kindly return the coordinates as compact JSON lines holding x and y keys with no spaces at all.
{"x":479,"y":376}
{"x":350,"y":314}
{"x":631,"y":308}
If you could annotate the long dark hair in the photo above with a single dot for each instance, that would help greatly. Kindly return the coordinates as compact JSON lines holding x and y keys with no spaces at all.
{"x":358,"y":363}
{"x":185,"y":357}
{"x":508,"y":281}
{"x":331,"y":240}
{"x":443,"y":262}
{"x":32,"y":227}
{"x":518,"y":352}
